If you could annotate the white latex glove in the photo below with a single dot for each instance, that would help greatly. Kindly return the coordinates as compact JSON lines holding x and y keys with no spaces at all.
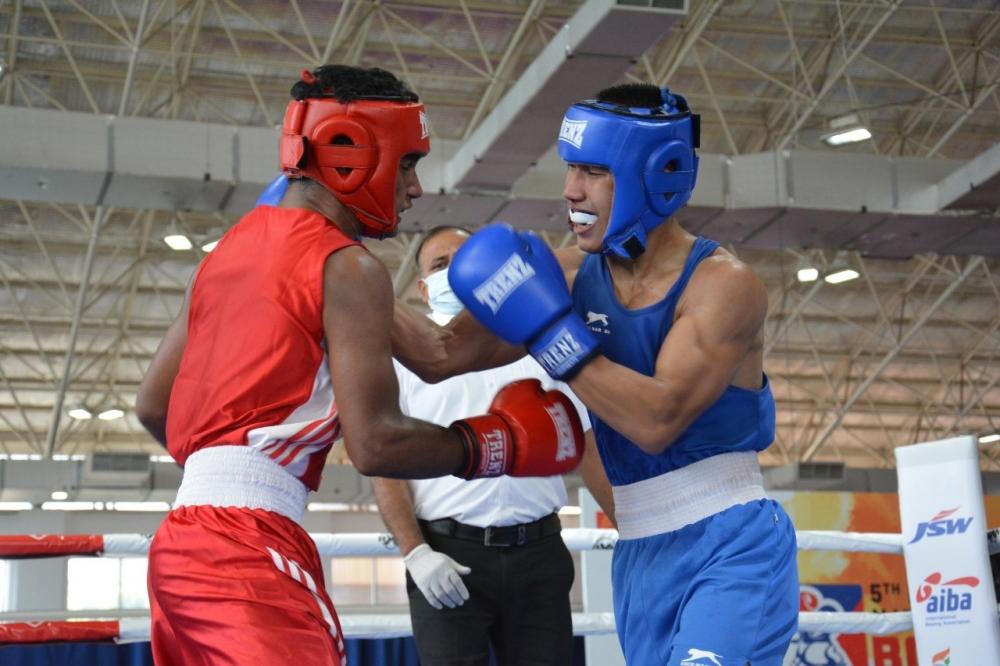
{"x":437,"y":576}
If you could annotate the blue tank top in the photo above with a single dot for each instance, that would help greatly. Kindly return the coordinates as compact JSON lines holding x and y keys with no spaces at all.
{"x":740,"y":420}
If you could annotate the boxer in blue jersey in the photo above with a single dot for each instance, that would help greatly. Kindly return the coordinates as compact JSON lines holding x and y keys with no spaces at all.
{"x":661,"y":335}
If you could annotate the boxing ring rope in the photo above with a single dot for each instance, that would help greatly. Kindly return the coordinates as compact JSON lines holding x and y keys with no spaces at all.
{"x":137,"y":629}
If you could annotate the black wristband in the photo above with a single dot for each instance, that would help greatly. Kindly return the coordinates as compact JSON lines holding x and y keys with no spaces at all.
{"x":470,"y":448}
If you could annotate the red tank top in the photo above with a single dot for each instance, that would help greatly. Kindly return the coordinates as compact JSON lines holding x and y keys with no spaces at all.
{"x":254,"y":369}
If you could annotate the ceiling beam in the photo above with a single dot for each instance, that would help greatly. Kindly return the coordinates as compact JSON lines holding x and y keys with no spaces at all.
{"x":821,"y":439}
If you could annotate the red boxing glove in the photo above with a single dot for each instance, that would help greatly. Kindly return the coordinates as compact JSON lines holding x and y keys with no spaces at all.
{"x":527,"y":432}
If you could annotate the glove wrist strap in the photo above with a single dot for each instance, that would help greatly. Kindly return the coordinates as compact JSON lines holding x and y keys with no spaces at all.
{"x":564,"y":347}
{"x":488,"y":446}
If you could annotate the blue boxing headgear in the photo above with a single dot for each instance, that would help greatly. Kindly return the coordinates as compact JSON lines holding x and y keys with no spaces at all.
{"x":650,"y":153}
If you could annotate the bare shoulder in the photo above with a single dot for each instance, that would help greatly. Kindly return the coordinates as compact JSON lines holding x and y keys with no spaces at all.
{"x":354,"y":265}
{"x":354,"y":273}
{"x":722,"y":281}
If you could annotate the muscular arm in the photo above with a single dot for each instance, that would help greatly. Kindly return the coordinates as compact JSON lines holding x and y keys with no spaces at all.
{"x":154,"y":392}
{"x":594,"y":477}
{"x":395,"y":503}
{"x":435,"y":352}
{"x":357,"y":318}
{"x":715,"y":340}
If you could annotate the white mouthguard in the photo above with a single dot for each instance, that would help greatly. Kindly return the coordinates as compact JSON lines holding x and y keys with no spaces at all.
{"x":579,"y":217}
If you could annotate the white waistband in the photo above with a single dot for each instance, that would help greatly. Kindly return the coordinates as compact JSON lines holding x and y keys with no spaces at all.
{"x":684,"y":496}
{"x":243,"y":477}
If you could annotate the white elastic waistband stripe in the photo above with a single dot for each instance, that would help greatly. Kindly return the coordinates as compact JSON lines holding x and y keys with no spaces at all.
{"x":239,"y":476}
{"x":684,"y":496}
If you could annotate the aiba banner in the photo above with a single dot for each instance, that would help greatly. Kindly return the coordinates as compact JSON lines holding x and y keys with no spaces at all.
{"x":947,"y":563}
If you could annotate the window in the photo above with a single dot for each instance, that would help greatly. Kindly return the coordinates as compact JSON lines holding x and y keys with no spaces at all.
{"x":367,"y":581}
{"x":96,"y":583}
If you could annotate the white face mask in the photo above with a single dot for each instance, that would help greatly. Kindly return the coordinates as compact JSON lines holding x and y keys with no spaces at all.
{"x":440,"y":296}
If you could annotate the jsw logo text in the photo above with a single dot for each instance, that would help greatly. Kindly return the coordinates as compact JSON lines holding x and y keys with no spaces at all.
{"x":942,"y":525}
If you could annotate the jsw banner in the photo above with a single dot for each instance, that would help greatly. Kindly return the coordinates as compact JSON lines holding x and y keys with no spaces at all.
{"x":947,"y":562}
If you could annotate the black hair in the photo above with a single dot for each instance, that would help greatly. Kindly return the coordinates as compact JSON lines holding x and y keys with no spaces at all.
{"x":346,"y":84}
{"x":642,"y":95}
{"x":434,"y":231}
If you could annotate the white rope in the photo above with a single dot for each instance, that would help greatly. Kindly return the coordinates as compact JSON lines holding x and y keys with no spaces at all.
{"x":876,"y":624}
{"x":397,"y":625}
{"x":377,"y":544}
{"x":854,"y":542}
{"x":127,"y":544}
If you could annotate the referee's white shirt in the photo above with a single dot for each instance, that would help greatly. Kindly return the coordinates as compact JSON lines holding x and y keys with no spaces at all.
{"x":497,"y":501}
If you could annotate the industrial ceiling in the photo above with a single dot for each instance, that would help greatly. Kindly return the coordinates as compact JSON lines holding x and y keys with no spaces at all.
{"x":124,"y":120}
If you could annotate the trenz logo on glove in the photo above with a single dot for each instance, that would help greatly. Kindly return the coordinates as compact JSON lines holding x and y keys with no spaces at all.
{"x":566,"y":447}
{"x":495,"y":447}
{"x":512,"y":274}
{"x":559,"y":354}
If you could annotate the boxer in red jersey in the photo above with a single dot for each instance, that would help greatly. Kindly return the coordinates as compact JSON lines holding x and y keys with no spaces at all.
{"x":284,"y":343}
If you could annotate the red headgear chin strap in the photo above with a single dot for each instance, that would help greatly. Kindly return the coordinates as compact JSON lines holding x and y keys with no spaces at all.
{"x":381,"y":133}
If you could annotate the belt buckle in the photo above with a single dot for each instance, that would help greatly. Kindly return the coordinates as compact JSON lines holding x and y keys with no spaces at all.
{"x":490,"y":537}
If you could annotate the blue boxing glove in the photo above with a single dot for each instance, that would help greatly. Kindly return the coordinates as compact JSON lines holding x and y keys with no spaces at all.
{"x":512,"y":283}
{"x":273,"y":193}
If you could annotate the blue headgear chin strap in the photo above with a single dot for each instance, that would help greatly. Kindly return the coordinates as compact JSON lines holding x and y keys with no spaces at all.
{"x":650,"y":153}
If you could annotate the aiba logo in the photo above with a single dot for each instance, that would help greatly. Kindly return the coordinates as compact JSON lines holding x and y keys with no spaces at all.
{"x":942,"y":525}
{"x":942,"y":658}
{"x":946,"y":597}
{"x":572,"y":132}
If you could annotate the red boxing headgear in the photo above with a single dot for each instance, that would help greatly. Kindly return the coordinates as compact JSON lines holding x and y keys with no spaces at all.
{"x":381,"y":133}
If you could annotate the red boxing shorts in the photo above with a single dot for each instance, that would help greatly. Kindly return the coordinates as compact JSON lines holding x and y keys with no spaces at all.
{"x":239,"y":586}
{"x":229,"y":584}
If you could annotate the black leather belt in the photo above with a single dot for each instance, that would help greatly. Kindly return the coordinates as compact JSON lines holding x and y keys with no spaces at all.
{"x":509,"y":535}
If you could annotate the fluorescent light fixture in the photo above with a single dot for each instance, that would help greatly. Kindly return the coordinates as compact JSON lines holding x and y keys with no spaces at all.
{"x":66,"y":456}
{"x":844,"y":275}
{"x":67,"y":506}
{"x":340,"y":506}
{"x":80,"y":413}
{"x":853,"y":135}
{"x":846,"y":129}
{"x":178,"y":242}
{"x":208,"y":247}
{"x":807,"y":274}
{"x":328,"y":506}
{"x":25,"y":456}
{"x":570,"y":511}
{"x":162,"y":507}
{"x":59,"y":495}
{"x":111,"y":414}
{"x":989,"y":439}
{"x":162,"y":459}
{"x":16,"y":506}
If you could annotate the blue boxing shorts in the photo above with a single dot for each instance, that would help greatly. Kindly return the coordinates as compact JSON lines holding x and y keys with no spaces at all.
{"x":720,"y":590}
